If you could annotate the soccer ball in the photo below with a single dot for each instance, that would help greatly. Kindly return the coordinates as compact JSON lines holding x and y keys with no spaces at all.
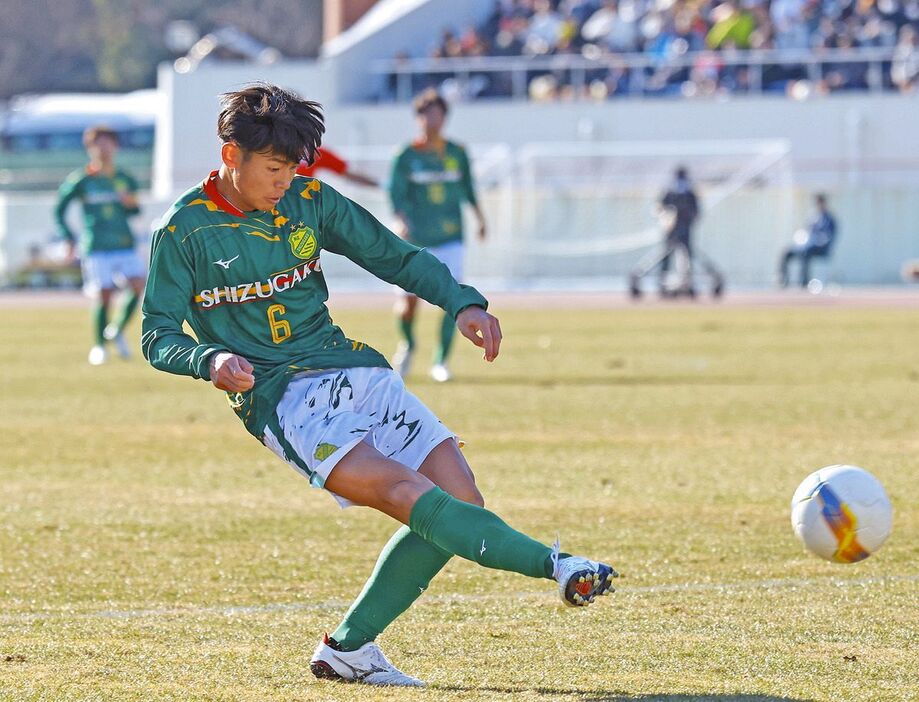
{"x":841,"y":513}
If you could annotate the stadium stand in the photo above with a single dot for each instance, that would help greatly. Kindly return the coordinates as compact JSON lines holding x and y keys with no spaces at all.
{"x":610,"y":48}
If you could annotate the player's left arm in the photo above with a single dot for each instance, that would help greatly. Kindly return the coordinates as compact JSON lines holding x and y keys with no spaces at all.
{"x":482,"y":329}
{"x":127,"y":188}
{"x":348,"y":229}
{"x":469,"y":192}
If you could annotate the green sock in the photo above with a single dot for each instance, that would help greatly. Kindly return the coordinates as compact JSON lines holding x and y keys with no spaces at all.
{"x":407,"y":331}
{"x":447,"y":329}
{"x":127,"y":309}
{"x":403,"y":571}
{"x":476,"y":534}
{"x":100,"y":319}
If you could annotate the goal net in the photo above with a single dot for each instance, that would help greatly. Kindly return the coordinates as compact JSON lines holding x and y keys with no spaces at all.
{"x":588,"y":211}
{"x":580,"y":215}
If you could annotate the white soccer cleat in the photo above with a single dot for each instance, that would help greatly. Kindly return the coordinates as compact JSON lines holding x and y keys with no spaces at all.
{"x":581,"y":580}
{"x":116,"y":337}
{"x":366,"y":665}
{"x":97,"y":356}
{"x":402,"y":359}
{"x":440,"y":373}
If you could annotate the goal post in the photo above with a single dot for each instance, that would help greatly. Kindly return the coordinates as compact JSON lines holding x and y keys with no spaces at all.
{"x":591,"y":207}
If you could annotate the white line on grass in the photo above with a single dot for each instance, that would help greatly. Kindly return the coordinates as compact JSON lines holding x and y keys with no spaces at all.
{"x":236,"y":611}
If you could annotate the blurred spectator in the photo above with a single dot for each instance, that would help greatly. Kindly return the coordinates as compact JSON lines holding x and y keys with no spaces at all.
{"x":614,"y":24}
{"x":814,"y":242}
{"x":848,"y":75}
{"x":669,"y":30}
{"x":731,"y":26}
{"x":544,"y":31}
{"x":904,"y":72}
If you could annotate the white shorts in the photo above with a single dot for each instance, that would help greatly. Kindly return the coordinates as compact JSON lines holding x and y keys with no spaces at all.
{"x":451,"y":255}
{"x":324,"y":414}
{"x":105,"y":270}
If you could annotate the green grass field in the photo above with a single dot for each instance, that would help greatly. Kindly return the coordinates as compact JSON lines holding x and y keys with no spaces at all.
{"x":151,"y":550}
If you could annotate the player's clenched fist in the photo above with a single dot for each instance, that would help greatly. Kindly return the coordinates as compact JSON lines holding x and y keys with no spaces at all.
{"x":231,"y":372}
{"x":482,"y":329}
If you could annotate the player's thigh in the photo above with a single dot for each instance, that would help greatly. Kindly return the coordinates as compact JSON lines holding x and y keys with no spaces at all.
{"x":366,"y":477}
{"x":98,"y":276}
{"x":406,"y":304}
{"x":451,"y":255}
{"x":358,"y":414}
{"x":128,"y":270}
{"x":137,"y":284}
{"x":447,"y":468}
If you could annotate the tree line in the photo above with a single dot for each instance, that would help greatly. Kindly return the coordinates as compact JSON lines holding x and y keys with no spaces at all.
{"x":116,"y":45}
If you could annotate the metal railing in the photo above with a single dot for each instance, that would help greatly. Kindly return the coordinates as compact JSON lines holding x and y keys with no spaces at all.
{"x":643,"y":74}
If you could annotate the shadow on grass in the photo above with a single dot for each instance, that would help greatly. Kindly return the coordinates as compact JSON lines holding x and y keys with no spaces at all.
{"x":594,"y":381}
{"x":617,"y":695}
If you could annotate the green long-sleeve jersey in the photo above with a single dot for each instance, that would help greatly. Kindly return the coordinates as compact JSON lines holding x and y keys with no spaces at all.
{"x":427,"y":189}
{"x":105,"y":217}
{"x":252,"y":283}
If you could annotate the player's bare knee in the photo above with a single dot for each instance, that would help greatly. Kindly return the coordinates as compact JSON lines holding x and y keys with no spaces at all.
{"x":470,"y":493}
{"x":405,"y":308}
{"x":404,"y":492}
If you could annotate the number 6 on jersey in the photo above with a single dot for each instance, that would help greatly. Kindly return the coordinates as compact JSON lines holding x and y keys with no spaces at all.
{"x":280,"y":328}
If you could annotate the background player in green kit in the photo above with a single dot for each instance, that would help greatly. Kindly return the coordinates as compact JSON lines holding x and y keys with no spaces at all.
{"x":237,"y":258}
{"x":108,"y":196}
{"x":430,"y":181}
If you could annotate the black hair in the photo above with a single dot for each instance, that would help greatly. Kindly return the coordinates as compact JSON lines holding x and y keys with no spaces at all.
{"x":265,"y":118}
{"x":428,"y":98}
{"x":681,"y":173}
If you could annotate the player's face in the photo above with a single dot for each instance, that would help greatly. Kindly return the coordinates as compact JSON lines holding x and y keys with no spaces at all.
{"x":261,"y":179}
{"x":431,"y":120}
{"x":102,"y":149}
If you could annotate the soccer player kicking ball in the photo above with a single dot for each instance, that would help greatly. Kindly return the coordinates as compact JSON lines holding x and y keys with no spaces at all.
{"x":237,"y":258}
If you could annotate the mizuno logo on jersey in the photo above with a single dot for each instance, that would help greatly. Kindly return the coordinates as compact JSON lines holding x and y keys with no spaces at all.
{"x":260,"y":289}
{"x":226,"y":264}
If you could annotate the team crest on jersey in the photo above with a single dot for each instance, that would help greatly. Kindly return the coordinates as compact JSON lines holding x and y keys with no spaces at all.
{"x":302,"y":241}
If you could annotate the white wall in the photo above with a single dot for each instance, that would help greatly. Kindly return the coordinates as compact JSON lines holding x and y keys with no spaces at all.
{"x":391,"y":27}
{"x":842,"y":140}
{"x":837,"y":140}
{"x":27,"y":220}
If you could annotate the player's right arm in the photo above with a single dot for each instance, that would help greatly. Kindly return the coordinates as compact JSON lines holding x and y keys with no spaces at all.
{"x":170,"y":288}
{"x":65,"y":195}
